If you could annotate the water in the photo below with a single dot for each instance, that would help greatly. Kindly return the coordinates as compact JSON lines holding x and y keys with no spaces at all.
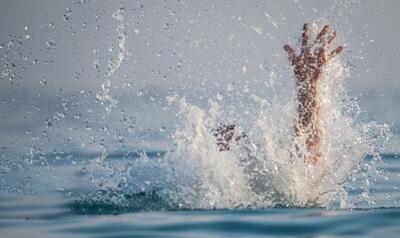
{"x":267,"y":170}
{"x":116,"y":138}
{"x":146,"y":215}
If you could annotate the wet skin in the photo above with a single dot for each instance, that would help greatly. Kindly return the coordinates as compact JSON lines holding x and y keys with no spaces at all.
{"x":307,"y":67}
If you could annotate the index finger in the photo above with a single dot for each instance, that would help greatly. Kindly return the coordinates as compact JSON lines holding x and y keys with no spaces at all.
{"x":305,"y":35}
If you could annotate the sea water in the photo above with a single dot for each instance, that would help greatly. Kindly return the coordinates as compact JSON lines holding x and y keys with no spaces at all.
{"x":95,"y":213}
{"x":193,"y":189}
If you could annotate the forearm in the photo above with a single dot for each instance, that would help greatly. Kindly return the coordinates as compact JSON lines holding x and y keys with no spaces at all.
{"x":308,"y":124}
{"x":308,"y":67}
{"x":308,"y":105}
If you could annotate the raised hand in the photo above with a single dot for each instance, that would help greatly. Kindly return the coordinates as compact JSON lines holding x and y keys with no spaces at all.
{"x":314,"y":55}
{"x":308,"y":66}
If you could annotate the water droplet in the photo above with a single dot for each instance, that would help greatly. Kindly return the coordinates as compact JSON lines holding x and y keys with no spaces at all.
{"x":49,"y":124}
{"x":244,"y":69}
{"x":167,"y":26}
{"x":67,"y":15}
{"x":43,"y":81}
{"x":50,"y":44}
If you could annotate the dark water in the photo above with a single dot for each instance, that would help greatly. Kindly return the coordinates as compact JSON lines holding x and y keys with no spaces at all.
{"x":60,"y":214}
{"x":27,"y":217}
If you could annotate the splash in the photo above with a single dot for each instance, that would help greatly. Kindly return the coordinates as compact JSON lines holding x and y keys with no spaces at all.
{"x":119,"y":17}
{"x":193,"y":173}
{"x":104,"y":96}
{"x":196,"y":174}
{"x":268,"y":171}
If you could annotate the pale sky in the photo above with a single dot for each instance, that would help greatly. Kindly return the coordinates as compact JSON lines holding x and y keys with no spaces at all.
{"x":55,"y":57}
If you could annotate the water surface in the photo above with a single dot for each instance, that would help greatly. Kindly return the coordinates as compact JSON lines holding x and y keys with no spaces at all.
{"x":62,"y":214}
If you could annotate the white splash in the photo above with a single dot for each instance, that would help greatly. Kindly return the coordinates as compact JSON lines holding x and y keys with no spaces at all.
{"x":104,"y":96}
{"x":196,"y":174}
{"x":267,"y":171}
{"x":119,"y":17}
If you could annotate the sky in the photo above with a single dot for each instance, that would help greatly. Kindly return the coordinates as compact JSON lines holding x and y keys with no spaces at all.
{"x":64,"y":64}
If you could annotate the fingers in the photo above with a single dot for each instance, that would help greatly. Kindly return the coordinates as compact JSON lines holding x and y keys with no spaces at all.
{"x":321,"y":34}
{"x":291,"y":53}
{"x":305,"y":35}
{"x":331,"y":38}
{"x":335,"y":52}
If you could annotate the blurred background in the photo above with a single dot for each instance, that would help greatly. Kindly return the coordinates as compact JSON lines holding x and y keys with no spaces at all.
{"x":87,"y":76}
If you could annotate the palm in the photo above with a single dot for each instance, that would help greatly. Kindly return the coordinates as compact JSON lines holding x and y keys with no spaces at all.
{"x":309,"y":63}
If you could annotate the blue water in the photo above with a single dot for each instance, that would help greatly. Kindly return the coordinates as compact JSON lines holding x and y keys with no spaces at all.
{"x":62,"y":213}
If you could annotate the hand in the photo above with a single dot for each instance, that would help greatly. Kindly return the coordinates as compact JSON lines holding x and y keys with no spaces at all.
{"x":313,"y":57}
{"x":226,"y":135}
